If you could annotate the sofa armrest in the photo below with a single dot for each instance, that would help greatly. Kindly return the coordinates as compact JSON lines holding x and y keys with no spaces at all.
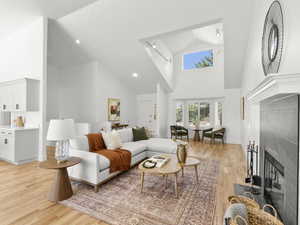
{"x":88,"y":167}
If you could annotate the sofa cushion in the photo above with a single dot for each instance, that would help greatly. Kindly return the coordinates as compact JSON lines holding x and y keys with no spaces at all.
{"x":143,"y":142}
{"x":134,"y":147}
{"x":162,"y":145}
{"x":80,"y":143}
{"x":126,"y":135}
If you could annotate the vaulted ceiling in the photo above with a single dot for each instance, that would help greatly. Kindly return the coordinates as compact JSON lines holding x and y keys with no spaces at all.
{"x":178,"y":41}
{"x":110,"y":31}
{"x":15,"y":13}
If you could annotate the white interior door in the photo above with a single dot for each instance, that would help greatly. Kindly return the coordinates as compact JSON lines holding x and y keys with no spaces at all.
{"x":146,"y":114}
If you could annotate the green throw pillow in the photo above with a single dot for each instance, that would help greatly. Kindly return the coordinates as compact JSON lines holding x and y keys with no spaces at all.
{"x":139,"y":134}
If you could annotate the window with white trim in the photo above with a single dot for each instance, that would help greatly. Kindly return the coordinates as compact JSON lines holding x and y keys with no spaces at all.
{"x":180,"y":113}
{"x":193,"y":113}
{"x":203,"y":113}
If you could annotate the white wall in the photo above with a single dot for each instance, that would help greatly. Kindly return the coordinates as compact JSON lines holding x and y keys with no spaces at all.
{"x":207,"y":84}
{"x":162,"y":111}
{"x":53,"y":92}
{"x":165,"y":67}
{"x":199,"y":83}
{"x":253,"y":71}
{"x":231,"y":115}
{"x":83,"y":91}
{"x":23,"y":54}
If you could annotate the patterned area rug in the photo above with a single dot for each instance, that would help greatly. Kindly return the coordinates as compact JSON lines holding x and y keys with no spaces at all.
{"x":119,"y":202}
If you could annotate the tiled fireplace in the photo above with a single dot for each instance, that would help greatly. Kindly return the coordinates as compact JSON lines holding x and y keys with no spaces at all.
{"x":279,"y":147}
{"x":276,"y":102}
{"x":274,"y":86}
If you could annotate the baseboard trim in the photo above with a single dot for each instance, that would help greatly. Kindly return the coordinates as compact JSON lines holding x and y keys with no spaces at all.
{"x":20,"y":162}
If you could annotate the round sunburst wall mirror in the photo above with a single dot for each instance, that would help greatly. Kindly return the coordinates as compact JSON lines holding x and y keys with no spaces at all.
{"x":272,"y":41}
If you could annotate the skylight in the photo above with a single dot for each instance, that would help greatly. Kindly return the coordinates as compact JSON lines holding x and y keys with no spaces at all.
{"x":198,"y":60}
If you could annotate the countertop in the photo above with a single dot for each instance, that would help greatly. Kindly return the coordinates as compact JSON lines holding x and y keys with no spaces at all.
{"x":17,"y":128}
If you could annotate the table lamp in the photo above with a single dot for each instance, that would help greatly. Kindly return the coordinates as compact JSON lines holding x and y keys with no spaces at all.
{"x":61,"y":130}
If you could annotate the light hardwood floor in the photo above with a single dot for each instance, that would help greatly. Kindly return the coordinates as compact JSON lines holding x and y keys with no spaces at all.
{"x":23,"y":189}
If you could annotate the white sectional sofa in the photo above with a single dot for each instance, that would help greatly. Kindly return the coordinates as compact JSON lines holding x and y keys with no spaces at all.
{"x":94,"y":168}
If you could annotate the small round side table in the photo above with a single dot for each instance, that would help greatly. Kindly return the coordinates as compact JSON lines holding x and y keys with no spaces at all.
{"x":192,"y":162}
{"x":61,"y":188}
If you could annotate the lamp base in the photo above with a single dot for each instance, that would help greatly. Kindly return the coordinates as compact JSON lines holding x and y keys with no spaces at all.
{"x":62,"y":161}
{"x":62,"y":151}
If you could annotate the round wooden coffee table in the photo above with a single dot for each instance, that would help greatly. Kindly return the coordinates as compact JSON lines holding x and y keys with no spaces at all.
{"x":192,"y":162}
{"x":172,"y":167}
{"x":61,"y":189}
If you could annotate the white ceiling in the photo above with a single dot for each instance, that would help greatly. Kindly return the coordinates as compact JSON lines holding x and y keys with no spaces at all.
{"x":110,"y":31}
{"x":212,"y":34}
{"x":178,"y":41}
{"x":16,"y":13}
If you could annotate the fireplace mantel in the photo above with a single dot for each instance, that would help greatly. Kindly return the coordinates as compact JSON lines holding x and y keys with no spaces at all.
{"x":275,"y":84}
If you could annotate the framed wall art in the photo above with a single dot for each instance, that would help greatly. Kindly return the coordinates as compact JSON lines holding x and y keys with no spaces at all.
{"x":114,"y":109}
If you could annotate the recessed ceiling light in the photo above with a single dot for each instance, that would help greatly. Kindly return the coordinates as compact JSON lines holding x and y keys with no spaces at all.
{"x":77,"y":42}
{"x":135,"y":75}
{"x":154,"y":46}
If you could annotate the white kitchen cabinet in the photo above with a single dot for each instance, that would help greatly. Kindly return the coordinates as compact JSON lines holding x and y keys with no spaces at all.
{"x":19,"y":95}
{"x":5,"y":97}
{"x":19,"y":145}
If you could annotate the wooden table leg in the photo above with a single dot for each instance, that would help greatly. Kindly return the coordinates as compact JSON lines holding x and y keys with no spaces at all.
{"x":142,"y":181}
{"x":61,"y":189}
{"x":182,"y":171}
{"x":197,"y":136}
{"x":196,"y":171}
{"x":166,"y":181}
{"x":176,"y":188}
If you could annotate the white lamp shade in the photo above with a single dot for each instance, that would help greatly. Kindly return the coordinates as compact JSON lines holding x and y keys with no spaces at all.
{"x":60,"y":130}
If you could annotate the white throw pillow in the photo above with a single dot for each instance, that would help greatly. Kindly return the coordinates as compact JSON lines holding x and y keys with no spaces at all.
{"x":123,"y":135}
{"x":126,"y":135}
{"x":112,"y":140}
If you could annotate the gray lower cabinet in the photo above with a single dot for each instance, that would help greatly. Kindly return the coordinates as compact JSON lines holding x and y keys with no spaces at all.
{"x":19,"y":146}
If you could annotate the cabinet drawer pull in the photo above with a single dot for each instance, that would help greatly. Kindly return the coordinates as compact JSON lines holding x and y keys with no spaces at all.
{"x":5,"y":141}
{"x":4,"y":107}
{"x":17,"y":106}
